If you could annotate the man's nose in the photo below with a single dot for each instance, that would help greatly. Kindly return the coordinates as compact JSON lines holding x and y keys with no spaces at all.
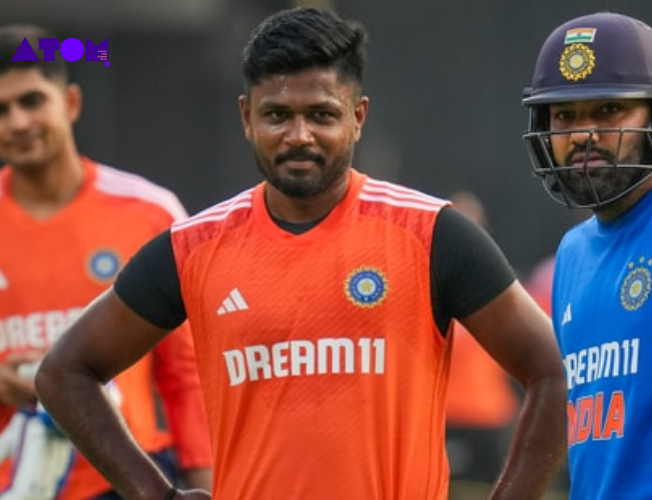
{"x":299,"y":132}
{"x":18,"y":118}
{"x":584,"y":132}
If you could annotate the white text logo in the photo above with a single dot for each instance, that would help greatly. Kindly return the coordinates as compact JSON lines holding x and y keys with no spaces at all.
{"x":234,"y":302}
{"x":305,"y":357}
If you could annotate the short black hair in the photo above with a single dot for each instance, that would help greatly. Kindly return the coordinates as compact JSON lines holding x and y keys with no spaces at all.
{"x":301,"y":38}
{"x":12,"y":35}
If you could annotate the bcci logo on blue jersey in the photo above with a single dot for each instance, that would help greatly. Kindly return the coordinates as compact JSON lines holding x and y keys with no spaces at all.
{"x":635,"y":289}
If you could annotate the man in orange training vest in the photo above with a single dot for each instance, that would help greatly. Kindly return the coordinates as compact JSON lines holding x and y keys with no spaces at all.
{"x":320,"y":302}
{"x":67,"y":226}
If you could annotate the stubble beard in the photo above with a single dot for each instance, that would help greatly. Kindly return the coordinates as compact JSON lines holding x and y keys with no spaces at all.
{"x":304,"y":185}
{"x":602,"y":183}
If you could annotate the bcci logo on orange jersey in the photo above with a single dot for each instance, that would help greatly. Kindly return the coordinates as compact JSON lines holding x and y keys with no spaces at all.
{"x":366,"y":287}
{"x":72,"y":49}
{"x":103,"y":265}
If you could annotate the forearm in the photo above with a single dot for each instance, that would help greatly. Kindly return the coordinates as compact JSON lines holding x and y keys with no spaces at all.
{"x":99,"y":432}
{"x":178,"y":384}
{"x":538,"y":446}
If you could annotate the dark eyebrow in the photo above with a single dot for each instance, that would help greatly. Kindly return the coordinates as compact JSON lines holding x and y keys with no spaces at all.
{"x":30,"y":93}
{"x":24,"y":97}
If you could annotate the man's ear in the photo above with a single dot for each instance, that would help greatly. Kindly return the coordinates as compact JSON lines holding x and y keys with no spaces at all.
{"x":245,"y":115}
{"x":361,"y":110}
{"x":73,"y":95}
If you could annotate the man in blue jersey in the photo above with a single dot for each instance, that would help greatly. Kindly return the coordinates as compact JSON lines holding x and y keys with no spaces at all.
{"x":590,"y":141}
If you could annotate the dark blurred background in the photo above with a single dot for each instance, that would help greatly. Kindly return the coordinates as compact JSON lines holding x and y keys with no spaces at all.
{"x":444,"y":77}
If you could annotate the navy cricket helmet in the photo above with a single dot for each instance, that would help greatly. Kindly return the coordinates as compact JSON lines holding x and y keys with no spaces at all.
{"x":599,"y":56}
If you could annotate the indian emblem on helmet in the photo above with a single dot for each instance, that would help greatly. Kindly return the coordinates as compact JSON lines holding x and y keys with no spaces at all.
{"x":596,"y":57}
{"x":577,"y":62}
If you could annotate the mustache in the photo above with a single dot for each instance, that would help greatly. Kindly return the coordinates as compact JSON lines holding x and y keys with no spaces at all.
{"x":22,"y":135}
{"x":593,"y":153}
{"x":299,"y":155}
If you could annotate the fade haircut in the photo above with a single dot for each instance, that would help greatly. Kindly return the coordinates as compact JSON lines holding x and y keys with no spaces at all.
{"x":12,"y":35}
{"x":302,"y":38}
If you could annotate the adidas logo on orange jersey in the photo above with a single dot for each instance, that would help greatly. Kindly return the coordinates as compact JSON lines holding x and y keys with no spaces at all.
{"x":4,"y":284}
{"x":234,"y":302}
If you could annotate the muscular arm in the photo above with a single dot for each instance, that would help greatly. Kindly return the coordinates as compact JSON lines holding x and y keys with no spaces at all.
{"x":149,"y":286}
{"x":476,"y":287}
{"x":518,"y":334}
{"x":107,"y":338}
{"x":175,"y":371}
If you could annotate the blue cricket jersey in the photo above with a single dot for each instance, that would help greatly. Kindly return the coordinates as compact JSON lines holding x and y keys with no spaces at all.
{"x":602,"y":313}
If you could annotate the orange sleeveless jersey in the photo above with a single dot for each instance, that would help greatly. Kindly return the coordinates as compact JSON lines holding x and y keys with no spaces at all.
{"x":51,"y":269}
{"x":321,"y":364}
